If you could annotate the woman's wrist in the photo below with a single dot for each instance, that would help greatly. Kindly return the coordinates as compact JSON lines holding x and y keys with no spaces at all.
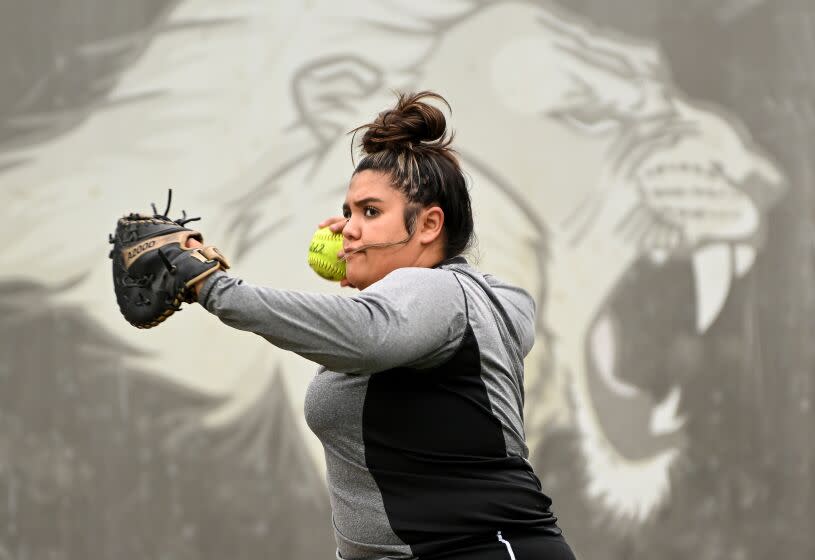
{"x":193,"y":243}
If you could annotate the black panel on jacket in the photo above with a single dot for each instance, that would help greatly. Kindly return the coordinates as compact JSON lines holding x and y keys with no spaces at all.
{"x":437,"y":453}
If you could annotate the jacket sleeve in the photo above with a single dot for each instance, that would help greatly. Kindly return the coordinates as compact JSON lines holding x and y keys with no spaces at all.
{"x":414,"y":317}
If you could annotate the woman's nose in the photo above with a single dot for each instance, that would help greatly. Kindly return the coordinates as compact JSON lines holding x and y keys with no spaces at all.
{"x":350,"y":230}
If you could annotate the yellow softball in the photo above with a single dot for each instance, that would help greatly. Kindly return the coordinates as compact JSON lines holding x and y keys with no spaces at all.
{"x":322,"y":254}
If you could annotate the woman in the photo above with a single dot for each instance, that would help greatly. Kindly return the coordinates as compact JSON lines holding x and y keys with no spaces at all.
{"x":418,"y":400}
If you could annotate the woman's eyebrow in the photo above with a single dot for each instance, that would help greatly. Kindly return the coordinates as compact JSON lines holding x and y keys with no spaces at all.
{"x":361,"y":202}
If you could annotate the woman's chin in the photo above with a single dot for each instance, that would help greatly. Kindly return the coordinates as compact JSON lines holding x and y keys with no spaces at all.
{"x":362,"y":279}
{"x":356,"y":280}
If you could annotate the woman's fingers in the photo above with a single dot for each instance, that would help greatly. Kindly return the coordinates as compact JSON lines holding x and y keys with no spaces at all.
{"x":331,"y":220}
{"x":334,"y":223}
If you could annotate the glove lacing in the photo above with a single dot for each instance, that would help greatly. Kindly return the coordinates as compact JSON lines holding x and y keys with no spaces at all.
{"x":129,"y":281}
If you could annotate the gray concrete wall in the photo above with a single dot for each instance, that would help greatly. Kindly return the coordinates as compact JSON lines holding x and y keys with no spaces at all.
{"x":643,"y":167}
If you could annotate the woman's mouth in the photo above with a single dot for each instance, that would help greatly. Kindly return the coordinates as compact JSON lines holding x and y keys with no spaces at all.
{"x":351,"y":251}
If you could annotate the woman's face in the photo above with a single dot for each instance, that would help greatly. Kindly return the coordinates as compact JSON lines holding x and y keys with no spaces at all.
{"x":375,"y":212}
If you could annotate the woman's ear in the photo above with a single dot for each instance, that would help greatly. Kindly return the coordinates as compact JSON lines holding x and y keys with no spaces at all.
{"x":431,"y":224}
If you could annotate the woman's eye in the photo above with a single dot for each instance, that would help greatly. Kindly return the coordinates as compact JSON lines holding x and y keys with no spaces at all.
{"x":346,"y":214}
{"x":370,"y":211}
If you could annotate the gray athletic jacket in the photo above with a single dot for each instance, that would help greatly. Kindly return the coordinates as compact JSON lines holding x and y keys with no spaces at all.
{"x":418,"y":402}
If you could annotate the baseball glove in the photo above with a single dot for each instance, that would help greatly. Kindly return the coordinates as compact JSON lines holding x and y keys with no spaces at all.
{"x":153,"y":270}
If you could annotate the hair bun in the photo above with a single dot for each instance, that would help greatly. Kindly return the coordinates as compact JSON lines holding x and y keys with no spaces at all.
{"x":411,"y":125}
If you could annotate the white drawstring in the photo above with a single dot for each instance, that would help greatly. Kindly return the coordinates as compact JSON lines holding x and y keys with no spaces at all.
{"x":509,"y":546}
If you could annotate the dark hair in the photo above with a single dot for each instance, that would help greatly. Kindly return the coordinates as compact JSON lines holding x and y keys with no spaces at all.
{"x":410,"y":143}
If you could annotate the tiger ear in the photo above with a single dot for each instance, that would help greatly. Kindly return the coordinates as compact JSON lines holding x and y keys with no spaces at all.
{"x":328,"y":91}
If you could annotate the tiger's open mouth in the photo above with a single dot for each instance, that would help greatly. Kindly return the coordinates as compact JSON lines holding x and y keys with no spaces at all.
{"x":695,"y":230}
{"x":639,"y":349}
{"x":693,"y":227}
